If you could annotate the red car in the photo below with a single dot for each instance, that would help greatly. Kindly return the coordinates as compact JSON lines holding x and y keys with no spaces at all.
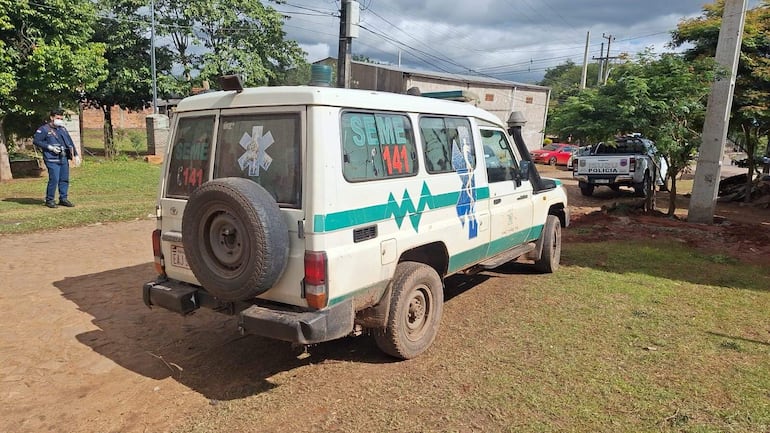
{"x":555,"y":153}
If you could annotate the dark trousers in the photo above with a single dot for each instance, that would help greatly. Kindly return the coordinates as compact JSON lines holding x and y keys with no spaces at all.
{"x":58,"y":175}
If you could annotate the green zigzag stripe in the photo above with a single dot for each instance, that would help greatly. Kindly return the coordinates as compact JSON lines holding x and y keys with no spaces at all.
{"x":392,"y":209}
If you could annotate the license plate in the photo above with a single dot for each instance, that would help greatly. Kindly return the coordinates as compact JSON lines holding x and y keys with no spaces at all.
{"x":602,"y":181}
{"x":178,"y":258}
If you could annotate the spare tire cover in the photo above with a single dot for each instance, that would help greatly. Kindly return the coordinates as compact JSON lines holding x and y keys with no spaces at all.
{"x":235,"y":238}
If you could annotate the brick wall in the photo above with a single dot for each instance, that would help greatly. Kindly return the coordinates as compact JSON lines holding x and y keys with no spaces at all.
{"x":93,"y":118}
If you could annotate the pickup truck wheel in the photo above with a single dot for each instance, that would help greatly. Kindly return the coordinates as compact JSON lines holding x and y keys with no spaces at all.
{"x":235,"y":238}
{"x":551,"y":255}
{"x":586,"y":189}
{"x":416,"y":303}
{"x":642,"y":188}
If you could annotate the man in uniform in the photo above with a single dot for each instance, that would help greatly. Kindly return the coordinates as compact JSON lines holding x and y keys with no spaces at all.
{"x":57,"y":147}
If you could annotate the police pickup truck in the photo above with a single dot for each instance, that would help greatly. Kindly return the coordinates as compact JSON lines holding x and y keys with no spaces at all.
{"x":628,"y":161}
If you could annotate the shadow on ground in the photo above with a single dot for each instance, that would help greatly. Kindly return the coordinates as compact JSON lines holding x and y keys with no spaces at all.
{"x":25,"y":200}
{"x":202,"y":351}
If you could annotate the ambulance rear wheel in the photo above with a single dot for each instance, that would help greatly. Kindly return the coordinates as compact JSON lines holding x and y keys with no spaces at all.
{"x":416,"y":304}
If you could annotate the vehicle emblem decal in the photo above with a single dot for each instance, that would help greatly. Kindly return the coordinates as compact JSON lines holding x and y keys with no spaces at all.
{"x":255,"y":146}
{"x":466,"y":202}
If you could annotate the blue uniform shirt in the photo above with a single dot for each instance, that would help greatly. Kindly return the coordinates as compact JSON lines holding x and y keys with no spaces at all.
{"x":48,"y":135}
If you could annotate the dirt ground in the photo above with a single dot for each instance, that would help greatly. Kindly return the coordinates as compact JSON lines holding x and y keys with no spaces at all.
{"x":79,"y":352}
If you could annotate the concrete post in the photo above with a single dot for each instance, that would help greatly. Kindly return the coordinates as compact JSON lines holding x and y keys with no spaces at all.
{"x":708,"y":170}
{"x":157,"y":134}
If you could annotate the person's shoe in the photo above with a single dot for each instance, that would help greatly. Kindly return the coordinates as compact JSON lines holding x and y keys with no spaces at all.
{"x":66,"y":203}
{"x":50,"y":204}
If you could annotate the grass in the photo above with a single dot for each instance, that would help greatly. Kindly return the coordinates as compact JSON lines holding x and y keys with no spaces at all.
{"x":102,"y":191}
{"x":127,"y":141}
{"x":626,"y":337}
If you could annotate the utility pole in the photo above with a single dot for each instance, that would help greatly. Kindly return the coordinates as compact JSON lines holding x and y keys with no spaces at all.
{"x":609,"y":38}
{"x":349,"y":13}
{"x":152,"y":59}
{"x":708,"y":170}
{"x":585,"y":63}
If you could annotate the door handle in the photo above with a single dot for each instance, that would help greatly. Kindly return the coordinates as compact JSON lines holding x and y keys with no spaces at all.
{"x":496,"y":201}
{"x":522,"y":197}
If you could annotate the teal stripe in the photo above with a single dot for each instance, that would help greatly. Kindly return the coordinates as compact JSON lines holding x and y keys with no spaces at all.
{"x":477,"y":254}
{"x":384,"y":212}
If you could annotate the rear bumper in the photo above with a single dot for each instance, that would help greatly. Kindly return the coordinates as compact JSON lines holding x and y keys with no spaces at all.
{"x":302,"y":327}
{"x":604,"y":180}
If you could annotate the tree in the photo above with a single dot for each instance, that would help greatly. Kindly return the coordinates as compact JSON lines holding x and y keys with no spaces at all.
{"x":129,"y":82}
{"x":678,"y":91}
{"x":235,"y":36}
{"x":564,"y":80}
{"x":750,"y":112}
{"x":46,"y":58}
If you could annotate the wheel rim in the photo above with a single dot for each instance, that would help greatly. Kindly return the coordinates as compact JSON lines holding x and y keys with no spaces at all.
{"x":553,"y":161}
{"x":418,"y":312}
{"x":224,"y":241}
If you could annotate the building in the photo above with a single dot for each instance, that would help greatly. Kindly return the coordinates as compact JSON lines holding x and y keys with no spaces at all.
{"x":496,"y":96}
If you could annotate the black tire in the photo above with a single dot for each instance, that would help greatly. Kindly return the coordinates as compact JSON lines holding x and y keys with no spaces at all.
{"x":552,"y":161}
{"x":416,"y":304}
{"x":586,"y":189}
{"x":615,"y":187}
{"x":642,"y":188}
{"x":235,"y":238}
{"x":551,"y":255}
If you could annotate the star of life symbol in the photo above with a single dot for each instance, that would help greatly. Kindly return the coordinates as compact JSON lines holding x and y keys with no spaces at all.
{"x":255,"y":146}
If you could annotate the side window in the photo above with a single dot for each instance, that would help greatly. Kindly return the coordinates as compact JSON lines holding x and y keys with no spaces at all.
{"x":500,"y":160}
{"x":377,"y":146}
{"x":265,"y":148}
{"x":189,"y":163}
{"x":448,"y":144}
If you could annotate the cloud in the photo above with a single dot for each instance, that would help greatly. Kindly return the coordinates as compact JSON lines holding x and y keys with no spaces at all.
{"x":509,"y":39}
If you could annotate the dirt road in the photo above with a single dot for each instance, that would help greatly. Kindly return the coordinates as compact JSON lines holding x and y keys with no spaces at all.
{"x":76,"y":351}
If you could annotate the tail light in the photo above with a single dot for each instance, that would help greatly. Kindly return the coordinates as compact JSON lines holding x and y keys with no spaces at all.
{"x":632,"y":164}
{"x":575,"y":164}
{"x":160,"y":265}
{"x":315,"y":279}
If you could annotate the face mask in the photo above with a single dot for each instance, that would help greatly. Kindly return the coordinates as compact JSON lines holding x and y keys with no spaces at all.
{"x":58,"y":122}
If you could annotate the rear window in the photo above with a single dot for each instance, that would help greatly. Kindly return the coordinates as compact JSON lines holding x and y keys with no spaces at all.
{"x":189,"y":164}
{"x":264,"y":148}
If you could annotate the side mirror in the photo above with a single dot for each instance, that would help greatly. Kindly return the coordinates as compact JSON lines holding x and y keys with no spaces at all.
{"x":524,"y":168}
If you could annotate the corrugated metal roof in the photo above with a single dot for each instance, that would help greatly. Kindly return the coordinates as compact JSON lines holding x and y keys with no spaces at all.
{"x":480,"y":79}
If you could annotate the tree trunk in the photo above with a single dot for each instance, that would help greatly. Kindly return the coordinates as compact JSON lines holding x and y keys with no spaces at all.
{"x":672,"y":192}
{"x":766,"y":166}
{"x":109,"y":137}
{"x":5,"y":163}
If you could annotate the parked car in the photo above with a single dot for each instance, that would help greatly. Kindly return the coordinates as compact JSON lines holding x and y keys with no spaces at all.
{"x":553,"y":154}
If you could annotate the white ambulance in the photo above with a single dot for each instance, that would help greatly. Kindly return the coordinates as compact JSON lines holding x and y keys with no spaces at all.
{"x":313,"y":213}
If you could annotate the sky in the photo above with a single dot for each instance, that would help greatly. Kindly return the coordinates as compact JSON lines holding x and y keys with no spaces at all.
{"x":514,"y":40}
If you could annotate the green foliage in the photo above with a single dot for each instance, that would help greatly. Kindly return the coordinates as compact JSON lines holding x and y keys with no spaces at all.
{"x":564,"y":80}
{"x":47,"y":59}
{"x":751,"y":100}
{"x":237,"y":37}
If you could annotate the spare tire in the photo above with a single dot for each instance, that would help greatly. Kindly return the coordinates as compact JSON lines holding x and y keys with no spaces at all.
{"x":235,"y":238}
